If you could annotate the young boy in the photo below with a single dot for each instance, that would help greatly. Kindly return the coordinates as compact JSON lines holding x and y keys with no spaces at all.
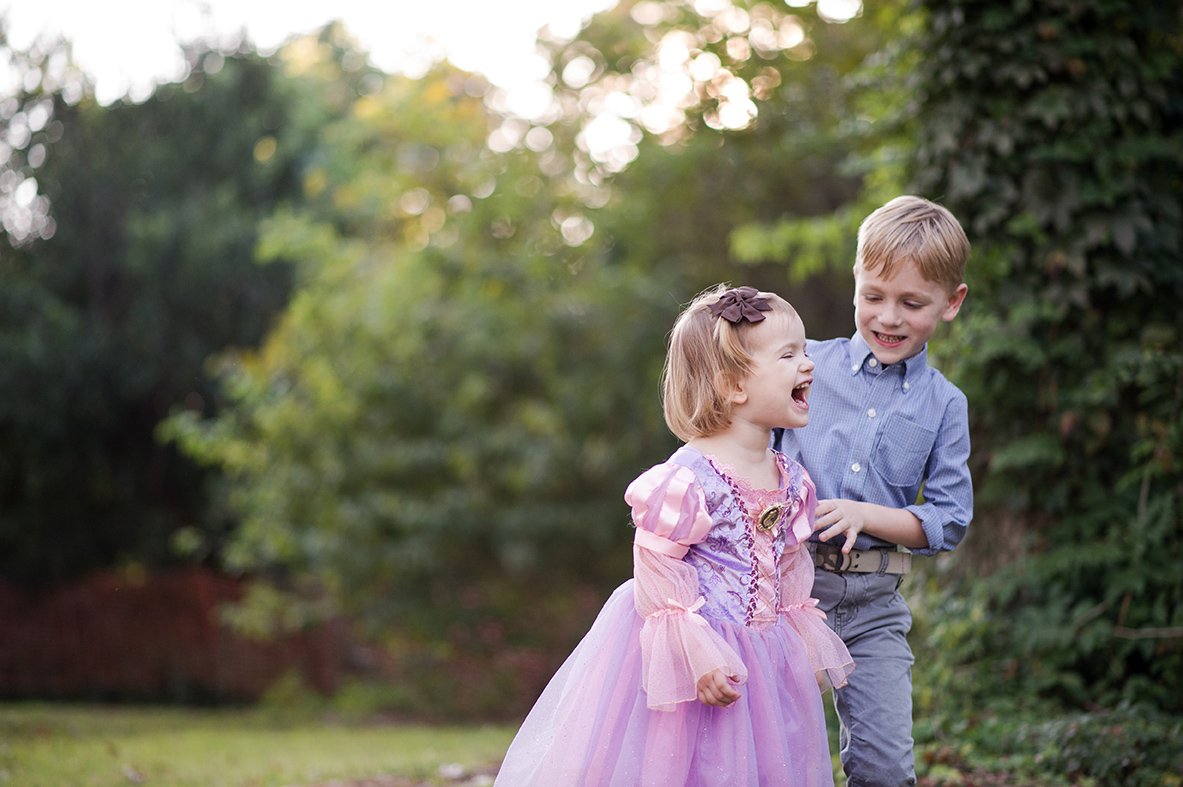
{"x":884,"y":427}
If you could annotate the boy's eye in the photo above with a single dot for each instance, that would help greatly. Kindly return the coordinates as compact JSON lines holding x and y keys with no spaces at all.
{"x":913,"y":305}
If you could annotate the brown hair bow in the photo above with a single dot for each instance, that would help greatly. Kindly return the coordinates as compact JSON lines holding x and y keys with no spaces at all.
{"x":739,"y":304}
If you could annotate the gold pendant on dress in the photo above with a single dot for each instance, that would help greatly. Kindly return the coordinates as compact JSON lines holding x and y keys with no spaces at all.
{"x":771,"y":516}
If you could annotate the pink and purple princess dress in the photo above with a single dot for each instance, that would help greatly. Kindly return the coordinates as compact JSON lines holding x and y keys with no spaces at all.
{"x":721,"y":580}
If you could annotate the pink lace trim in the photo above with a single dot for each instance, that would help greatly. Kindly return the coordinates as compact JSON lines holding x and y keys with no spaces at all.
{"x":753,"y":499}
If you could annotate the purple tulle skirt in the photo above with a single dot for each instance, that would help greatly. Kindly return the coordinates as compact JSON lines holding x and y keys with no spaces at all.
{"x":591,"y":725}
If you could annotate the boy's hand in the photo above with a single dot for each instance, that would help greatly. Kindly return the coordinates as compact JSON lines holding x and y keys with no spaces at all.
{"x":714,"y":688}
{"x":840,"y":516}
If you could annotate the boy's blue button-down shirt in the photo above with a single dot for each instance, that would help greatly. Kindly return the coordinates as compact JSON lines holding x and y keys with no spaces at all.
{"x":879,"y":434}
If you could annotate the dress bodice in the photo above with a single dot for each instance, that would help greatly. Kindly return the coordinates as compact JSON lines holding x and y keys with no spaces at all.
{"x":739,"y":564}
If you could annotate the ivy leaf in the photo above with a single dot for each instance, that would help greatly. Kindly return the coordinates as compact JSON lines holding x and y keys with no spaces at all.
{"x":1124,"y":235}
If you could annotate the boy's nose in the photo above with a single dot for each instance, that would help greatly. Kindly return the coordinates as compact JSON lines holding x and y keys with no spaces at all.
{"x":889,"y":316}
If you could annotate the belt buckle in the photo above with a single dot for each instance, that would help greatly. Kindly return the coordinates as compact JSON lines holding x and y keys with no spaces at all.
{"x":832,"y":558}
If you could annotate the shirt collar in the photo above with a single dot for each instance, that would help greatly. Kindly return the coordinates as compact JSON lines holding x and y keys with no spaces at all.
{"x":860,"y":352}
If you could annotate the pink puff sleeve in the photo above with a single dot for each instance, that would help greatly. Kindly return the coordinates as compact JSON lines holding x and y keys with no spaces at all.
{"x":669,"y":509}
{"x":827,"y":652}
{"x":677,"y":645}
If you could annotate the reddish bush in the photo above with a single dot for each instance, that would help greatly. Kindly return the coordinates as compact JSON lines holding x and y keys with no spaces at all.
{"x":155,"y":637}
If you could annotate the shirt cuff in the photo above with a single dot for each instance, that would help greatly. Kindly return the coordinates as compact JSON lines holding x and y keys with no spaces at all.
{"x":937,"y":528}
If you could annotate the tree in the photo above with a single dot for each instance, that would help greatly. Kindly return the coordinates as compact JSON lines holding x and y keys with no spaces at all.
{"x":443,"y":401}
{"x":540,"y":401}
{"x":437,"y":435}
{"x":1055,"y":131}
{"x":743,"y":114}
{"x":132,"y":260}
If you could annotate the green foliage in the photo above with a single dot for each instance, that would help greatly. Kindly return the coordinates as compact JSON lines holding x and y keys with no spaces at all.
{"x":1054,"y":131}
{"x":465,"y":380}
{"x":983,"y":706}
{"x":677,"y":205}
{"x":867,"y":111}
{"x":1128,"y":747}
{"x":813,"y":244}
{"x":436,"y":436}
{"x":140,"y":266}
{"x":135,"y":262}
{"x":439,"y":430}
{"x":441,"y":421}
{"x":455,"y":393}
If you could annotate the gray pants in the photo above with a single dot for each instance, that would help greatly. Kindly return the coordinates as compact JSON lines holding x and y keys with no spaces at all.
{"x":875,"y":708}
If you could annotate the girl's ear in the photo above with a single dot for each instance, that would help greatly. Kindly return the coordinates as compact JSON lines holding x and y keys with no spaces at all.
{"x":735,"y":392}
{"x":738,"y":395}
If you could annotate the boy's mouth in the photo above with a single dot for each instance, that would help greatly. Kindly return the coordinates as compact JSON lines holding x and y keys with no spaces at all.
{"x":889,"y":338}
{"x":801,"y":394}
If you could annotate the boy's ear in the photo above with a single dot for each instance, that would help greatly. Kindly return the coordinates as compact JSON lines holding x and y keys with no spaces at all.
{"x":955,"y":301}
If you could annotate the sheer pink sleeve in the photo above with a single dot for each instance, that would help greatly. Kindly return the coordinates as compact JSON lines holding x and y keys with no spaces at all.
{"x":827,"y":652}
{"x":677,"y":645}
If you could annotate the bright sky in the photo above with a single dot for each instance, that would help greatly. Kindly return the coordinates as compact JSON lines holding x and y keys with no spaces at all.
{"x":130,"y":45}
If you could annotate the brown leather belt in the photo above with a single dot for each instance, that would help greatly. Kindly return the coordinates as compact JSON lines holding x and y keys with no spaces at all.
{"x":859,"y":561}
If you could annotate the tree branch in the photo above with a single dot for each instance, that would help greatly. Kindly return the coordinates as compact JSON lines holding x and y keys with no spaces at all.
{"x":1148,"y":633}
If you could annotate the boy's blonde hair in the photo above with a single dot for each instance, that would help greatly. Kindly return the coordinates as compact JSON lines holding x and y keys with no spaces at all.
{"x":708,"y":356}
{"x":914,"y":230}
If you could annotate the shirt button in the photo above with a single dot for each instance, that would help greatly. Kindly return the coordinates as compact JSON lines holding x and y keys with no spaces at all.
{"x":871,"y":413}
{"x":873,"y":362}
{"x":907,"y":386}
{"x":854,"y":368}
{"x":856,"y":467}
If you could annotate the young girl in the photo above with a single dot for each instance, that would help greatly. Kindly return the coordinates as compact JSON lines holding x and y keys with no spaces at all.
{"x":705,"y":668}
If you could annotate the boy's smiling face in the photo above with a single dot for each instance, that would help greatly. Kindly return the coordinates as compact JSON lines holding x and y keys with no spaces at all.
{"x":897,"y":316}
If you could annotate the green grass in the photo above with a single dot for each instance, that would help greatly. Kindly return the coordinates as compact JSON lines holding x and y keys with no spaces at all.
{"x":45,"y":745}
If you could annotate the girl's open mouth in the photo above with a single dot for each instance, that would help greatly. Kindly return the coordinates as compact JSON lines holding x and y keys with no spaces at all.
{"x":801,"y":395}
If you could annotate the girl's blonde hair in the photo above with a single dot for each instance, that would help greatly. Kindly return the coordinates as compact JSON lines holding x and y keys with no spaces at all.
{"x":708,"y":356}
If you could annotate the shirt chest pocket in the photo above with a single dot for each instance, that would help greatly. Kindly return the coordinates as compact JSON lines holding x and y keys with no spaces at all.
{"x":901,"y":451}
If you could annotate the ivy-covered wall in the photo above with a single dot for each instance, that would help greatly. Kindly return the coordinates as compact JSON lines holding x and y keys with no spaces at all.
{"x":1054,"y":131}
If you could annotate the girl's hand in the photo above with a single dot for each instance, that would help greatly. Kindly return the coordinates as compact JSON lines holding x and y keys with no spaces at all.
{"x":714,"y":688}
{"x":840,"y":516}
